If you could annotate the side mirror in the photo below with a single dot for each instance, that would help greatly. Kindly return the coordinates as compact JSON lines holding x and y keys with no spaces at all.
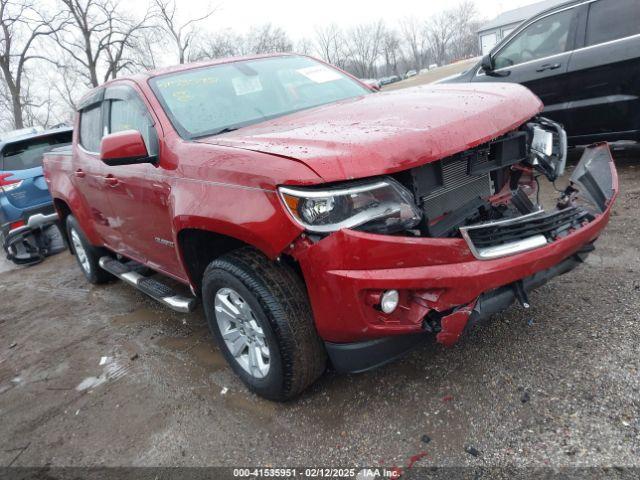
{"x":487,"y":64}
{"x":124,"y":148}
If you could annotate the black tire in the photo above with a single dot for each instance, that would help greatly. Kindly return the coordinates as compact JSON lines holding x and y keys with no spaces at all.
{"x":279,"y":302}
{"x":92,"y":270}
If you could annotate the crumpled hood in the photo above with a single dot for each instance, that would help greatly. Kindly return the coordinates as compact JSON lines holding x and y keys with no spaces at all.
{"x":391,"y":131}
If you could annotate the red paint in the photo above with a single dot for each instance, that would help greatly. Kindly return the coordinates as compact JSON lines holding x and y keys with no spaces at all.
{"x":4,"y":179}
{"x":389,"y":132}
{"x":227,"y":185}
{"x":447,"y":398}
{"x":452,"y":328}
{"x":127,"y":144}
{"x":18,"y":224}
{"x":416,"y":458}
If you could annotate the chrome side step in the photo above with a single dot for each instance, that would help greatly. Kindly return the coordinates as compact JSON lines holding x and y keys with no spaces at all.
{"x":155,"y":289}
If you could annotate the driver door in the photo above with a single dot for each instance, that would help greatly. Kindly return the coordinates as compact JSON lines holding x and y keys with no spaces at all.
{"x":140,"y":193}
{"x":538,"y":58}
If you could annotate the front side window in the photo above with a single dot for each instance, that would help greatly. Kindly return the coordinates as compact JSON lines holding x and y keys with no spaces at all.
{"x":612,"y":19}
{"x":127,"y":112}
{"x":210,"y":100}
{"x":548,"y":36}
{"x":91,"y":128}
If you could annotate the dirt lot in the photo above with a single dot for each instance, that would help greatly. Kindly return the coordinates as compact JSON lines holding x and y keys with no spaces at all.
{"x":433,"y":75}
{"x":103,"y":376}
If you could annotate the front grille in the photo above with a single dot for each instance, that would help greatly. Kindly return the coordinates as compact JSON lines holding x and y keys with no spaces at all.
{"x":509,"y":232}
{"x":457,"y":188}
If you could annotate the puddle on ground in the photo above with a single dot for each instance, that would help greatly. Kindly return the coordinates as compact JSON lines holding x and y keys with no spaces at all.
{"x":141,"y":315}
{"x":111,"y":371}
{"x":200,"y":348}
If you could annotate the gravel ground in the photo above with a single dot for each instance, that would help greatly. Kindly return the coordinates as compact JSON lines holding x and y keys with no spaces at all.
{"x":554,"y":386}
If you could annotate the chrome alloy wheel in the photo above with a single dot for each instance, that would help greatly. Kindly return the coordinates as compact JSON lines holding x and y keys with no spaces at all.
{"x":80,"y":252}
{"x":242,"y":333}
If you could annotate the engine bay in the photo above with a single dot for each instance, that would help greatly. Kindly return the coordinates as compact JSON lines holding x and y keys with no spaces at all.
{"x":494,"y":182}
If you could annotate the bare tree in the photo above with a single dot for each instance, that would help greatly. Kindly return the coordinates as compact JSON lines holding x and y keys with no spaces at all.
{"x":391,"y":51}
{"x":67,"y":84}
{"x":331,"y":45}
{"x":465,"y":42}
{"x":440,"y":32}
{"x":267,"y":38}
{"x":305,"y":46}
{"x":146,"y":47}
{"x":22,"y":25}
{"x":6,"y":117}
{"x":183,"y":34}
{"x":365,"y":46}
{"x":96,"y":36}
{"x":413,"y":35}
{"x":224,"y":43}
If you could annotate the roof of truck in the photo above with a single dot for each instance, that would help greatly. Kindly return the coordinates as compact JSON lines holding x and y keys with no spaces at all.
{"x":208,"y":63}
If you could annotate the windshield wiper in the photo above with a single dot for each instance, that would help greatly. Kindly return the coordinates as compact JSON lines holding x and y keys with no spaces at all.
{"x":225,"y":130}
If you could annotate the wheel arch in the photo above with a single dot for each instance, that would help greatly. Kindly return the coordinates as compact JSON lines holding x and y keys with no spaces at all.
{"x":64,"y":210}
{"x":199,"y":247}
{"x":200,"y":240}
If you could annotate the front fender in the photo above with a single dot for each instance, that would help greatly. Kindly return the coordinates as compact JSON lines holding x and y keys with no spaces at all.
{"x":252,"y":215}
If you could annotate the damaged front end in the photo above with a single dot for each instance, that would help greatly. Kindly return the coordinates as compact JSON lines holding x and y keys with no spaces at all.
{"x":454,"y":241}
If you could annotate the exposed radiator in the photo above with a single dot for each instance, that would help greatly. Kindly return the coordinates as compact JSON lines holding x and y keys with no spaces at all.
{"x":457,"y":188}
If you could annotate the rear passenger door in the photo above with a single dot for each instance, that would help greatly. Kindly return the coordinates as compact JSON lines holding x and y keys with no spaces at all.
{"x":89,"y":172}
{"x":538,"y":58}
{"x":604,"y":91}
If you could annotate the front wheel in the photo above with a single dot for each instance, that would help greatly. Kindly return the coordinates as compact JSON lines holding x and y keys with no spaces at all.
{"x":259,"y":313}
{"x":86,"y":254}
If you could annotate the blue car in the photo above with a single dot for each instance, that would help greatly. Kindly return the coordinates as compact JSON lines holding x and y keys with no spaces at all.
{"x":24,"y":195}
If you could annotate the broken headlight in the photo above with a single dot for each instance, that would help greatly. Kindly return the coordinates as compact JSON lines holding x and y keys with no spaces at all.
{"x":548,"y":153}
{"x":382,"y":206}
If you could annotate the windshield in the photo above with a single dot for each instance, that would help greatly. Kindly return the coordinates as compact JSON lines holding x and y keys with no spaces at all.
{"x":211,"y":100}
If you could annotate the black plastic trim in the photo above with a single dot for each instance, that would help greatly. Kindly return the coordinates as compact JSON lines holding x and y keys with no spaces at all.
{"x":364,"y":356}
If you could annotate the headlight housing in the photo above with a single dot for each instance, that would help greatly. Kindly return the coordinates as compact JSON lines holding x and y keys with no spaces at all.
{"x":381,"y":206}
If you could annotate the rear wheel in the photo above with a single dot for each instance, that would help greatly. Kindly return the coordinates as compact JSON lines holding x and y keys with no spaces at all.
{"x":86,"y":254}
{"x":259,"y":313}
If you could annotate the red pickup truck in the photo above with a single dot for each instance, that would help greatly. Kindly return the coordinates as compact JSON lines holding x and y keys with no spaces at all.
{"x":316,"y":218}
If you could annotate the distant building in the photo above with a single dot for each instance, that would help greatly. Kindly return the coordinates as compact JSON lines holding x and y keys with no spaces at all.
{"x":493,"y":32}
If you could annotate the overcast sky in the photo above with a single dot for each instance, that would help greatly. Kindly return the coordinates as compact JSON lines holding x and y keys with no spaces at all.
{"x":299,"y":17}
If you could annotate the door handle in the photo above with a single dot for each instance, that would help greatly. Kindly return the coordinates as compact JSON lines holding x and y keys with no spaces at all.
{"x":79,"y":173}
{"x":111,"y":180}
{"x":548,"y":66}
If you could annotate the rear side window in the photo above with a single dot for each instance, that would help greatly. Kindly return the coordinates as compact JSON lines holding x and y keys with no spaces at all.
{"x":28,"y":153}
{"x":613,"y":19}
{"x":91,"y":128}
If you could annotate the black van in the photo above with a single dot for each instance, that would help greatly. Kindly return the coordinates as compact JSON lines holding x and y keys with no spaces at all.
{"x":582,"y":58}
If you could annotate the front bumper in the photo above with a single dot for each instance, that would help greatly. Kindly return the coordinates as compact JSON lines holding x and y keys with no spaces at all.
{"x":437,"y":278}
